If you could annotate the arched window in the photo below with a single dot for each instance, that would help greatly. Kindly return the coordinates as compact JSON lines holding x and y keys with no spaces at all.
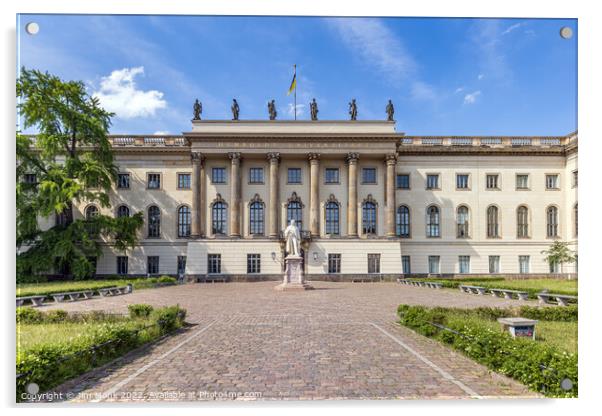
{"x":552,"y":221}
{"x":332,"y":217}
{"x":256,"y":217}
{"x":294,"y":211}
{"x":91,"y":212}
{"x":432,"y":221}
{"x":462,"y":222}
{"x":369,"y":218}
{"x":522,"y":222}
{"x":218,"y":217}
{"x":184,"y":221}
{"x":493,"y":224}
{"x":123,"y":211}
{"x":403,"y":221}
{"x":576,"y":214}
{"x":154,"y":221}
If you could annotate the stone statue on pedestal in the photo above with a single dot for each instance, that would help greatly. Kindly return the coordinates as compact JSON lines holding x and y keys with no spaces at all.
{"x":293,"y":238}
{"x":390,"y":111}
{"x":235,"y":109}
{"x":272,"y":109}
{"x":294,"y":279}
{"x":313,"y":109}
{"x":353,"y":110}
{"x":197,"y":109}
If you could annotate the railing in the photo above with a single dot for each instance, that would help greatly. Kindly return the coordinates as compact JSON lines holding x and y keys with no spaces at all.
{"x":432,"y":141}
{"x":495,"y":141}
{"x":491,"y":141}
{"x":147,"y":141}
{"x":521,"y":141}
{"x":549,"y":142}
{"x":461,"y":141}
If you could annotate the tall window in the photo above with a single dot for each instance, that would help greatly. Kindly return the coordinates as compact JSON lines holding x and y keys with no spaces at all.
{"x":331,"y":175}
{"x":154,"y":221}
{"x":218,"y":175}
{"x":332,"y":218}
{"x":218,"y":218}
{"x":181,"y":265}
{"x":575,"y":178}
{"x":576,"y":215}
{"x":334,"y":263}
{"x":403,"y":181}
{"x":552,"y":221}
{"x":522,"y":222}
{"x":432,"y":181}
{"x":30,"y":178}
{"x":214,"y":263}
{"x":523,"y":264}
{"x":552,"y":181}
{"x":369,"y":175}
{"x":294,"y":211}
{"x":405,"y":265}
{"x":462,"y":222}
{"x":403,"y":221}
{"x":61,"y":219}
{"x":462,"y":181}
{"x":183,"y":180}
{"x":554,"y":267}
{"x":373,"y":263}
{"x":123,"y":211}
{"x":91,"y":212}
{"x":256,"y":218}
{"x":434,"y":264}
{"x":253,"y":263}
{"x":492,"y":181}
{"x":522,"y":181}
{"x":494,"y":264}
{"x":152,"y":265}
{"x":432,"y":221}
{"x":153,"y":180}
{"x":123,"y":181}
{"x":122,"y":265}
{"x":493,"y":226}
{"x":184,"y":221}
{"x":369,"y":218}
{"x":256,"y":175}
{"x":294,"y":175}
{"x":464,"y":264}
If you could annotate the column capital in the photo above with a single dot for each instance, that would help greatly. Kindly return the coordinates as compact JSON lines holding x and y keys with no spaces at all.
{"x":313,"y":157}
{"x":273,"y":157}
{"x":197,"y":157}
{"x":352,"y":157}
{"x":234,"y":156}
{"x":391,"y":159}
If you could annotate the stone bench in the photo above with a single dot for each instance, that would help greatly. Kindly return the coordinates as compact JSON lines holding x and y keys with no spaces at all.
{"x":508,"y":294}
{"x":114,"y":291}
{"x":214,"y":279}
{"x":562,"y":300}
{"x":432,"y":285}
{"x":478,"y":290}
{"x":362,"y":280}
{"x":35,"y":300}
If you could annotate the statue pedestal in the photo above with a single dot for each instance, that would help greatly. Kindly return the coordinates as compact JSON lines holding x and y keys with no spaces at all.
{"x":293,"y":275}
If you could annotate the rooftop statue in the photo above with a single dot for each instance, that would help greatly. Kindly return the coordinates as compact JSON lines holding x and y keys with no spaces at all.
{"x":197,"y":109}
{"x":235,"y":109}
{"x":272,"y":109}
{"x":353,"y":110}
{"x":390,"y":111}
{"x":313,"y":108}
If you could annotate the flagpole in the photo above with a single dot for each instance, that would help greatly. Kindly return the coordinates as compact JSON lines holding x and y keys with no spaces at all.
{"x":295,"y":76}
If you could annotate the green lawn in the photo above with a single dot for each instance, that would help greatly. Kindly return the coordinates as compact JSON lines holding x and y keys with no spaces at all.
{"x":533,"y":286}
{"x":48,"y":288}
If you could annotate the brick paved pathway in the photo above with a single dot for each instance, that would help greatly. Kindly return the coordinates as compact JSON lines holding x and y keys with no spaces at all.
{"x":250,"y":342}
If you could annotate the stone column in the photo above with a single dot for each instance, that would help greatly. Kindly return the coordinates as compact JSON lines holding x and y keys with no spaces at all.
{"x":274,"y":159}
{"x":352,"y":159}
{"x":314,"y":194}
{"x":234,"y":194}
{"x":197,"y":187}
{"x":391,"y":161}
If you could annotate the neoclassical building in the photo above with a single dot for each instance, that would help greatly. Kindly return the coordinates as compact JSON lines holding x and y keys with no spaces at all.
{"x":372,"y":203}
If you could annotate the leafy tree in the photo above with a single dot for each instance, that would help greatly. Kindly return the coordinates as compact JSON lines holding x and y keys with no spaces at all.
{"x":559,"y":253}
{"x":69,"y":161}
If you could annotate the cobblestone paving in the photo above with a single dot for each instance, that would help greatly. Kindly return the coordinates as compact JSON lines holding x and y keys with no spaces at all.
{"x":251,"y":342}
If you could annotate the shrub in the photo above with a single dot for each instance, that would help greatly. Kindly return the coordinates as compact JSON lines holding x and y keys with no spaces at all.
{"x":57,"y":315}
{"x":541,"y":367}
{"x":28,"y":315}
{"x":140,"y":310}
{"x":167,"y":279}
{"x":563,"y":314}
{"x":169,"y":318}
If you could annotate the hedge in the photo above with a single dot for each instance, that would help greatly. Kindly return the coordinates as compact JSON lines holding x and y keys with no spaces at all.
{"x":541,"y":367}
{"x":49,"y":365}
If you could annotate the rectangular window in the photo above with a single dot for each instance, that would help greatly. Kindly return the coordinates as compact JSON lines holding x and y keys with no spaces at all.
{"x":218,"y":175}
{"x":256,"y":175}
{"x":153,"y":180}
{"x":181,"y":265}
{"x":405,"y":265}
{"x":30,"y":178}
{"x":432,"y":181}
{"x":522,"y":181}
{"x":373,"y":263}
{"x":554,"y":267}
{"x":464,"y":264}
{"x":152,"y":265}
{"x":492,"y":181}
{"x":523,"y":264}
{"x":294,"y":176}
{"x":575,"y":178}
{"x":551,"y":181}
{"x":123,"y":181}
{"x":494,"y":264}
{"x":434,"y":264}
{"x":403,"y":181}
{"x":462,"y":181}
{"x":334,"y":263}
{"x":369,"y":175}
{"x":183,"y":180}
{"x":214,"y":263}
{"x":122,"y":265}
{"x":331,"y":175}
{"x":253,"y":263}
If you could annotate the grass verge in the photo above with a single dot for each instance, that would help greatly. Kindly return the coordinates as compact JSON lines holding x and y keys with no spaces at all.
{"x":532,"y":286}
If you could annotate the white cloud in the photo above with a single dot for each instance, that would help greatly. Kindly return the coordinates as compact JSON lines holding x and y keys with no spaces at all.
{"x":481,"y":76}
{"x":459,"y":90}
{"x":472,"y":97}
{"x":511,"y":28}
{"x":291,"y":110}
{"x":118,"y":93}
{"x":423,"y":91}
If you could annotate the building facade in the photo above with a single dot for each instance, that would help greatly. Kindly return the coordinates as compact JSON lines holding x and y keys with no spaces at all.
{"x":371,"y":203}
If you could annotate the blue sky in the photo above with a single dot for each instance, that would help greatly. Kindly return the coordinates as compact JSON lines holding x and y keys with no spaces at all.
{"x":445,"y":76}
